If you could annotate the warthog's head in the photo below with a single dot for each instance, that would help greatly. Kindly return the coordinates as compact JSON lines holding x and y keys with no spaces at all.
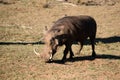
{"x":52,"y":41}
{"x":51,"y":44}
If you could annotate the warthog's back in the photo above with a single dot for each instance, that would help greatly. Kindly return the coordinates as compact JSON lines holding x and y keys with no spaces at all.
{"x":76,"y":26}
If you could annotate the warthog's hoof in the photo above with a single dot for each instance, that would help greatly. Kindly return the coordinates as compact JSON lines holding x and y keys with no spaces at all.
{"x":93,"y":54}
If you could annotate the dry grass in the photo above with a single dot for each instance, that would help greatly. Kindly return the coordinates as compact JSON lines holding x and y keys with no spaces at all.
{"x":24,"y":21}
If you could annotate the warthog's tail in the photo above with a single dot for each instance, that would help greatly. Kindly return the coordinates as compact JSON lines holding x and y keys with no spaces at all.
{"x":38,"y":54}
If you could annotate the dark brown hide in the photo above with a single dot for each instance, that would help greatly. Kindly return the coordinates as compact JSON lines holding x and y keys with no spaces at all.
{"x":68,"y":30}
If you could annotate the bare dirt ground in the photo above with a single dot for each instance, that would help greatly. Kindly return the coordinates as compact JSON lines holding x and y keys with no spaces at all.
{"x":24,"y":21}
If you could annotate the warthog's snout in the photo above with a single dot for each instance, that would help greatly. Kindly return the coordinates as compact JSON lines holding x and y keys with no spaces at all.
{"x":47,"y":56}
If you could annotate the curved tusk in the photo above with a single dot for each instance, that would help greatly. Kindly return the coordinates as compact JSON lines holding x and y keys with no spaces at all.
{"x":51,"y":57}
{"x":38,"y":54}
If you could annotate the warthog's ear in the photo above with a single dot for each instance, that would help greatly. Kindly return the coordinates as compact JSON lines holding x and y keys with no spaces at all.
{"x":45,"y":30}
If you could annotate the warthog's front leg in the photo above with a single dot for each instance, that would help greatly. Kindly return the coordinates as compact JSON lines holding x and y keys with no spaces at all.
{"x":67,"y":49}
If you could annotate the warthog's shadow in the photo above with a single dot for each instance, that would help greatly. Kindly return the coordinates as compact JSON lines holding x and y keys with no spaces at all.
{"x":83,"y":58}
{"x":112,"y":39}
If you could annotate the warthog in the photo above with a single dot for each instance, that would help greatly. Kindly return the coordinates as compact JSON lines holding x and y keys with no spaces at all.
{"x":68,"y":30}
